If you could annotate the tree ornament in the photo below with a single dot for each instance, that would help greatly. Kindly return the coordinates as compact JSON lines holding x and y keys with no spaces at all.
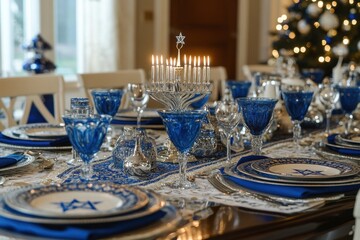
{"x":313,"y":10}
{"x":328,"y":21}
{"x":303,"y":27}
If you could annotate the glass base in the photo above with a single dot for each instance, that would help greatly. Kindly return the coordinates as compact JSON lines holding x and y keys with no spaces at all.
{"x":2,"y":180}
{"x":181,"y":185}
{"x":74,"y":161}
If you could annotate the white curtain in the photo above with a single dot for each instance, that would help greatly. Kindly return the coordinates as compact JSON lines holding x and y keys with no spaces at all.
{"x":106,"y":35}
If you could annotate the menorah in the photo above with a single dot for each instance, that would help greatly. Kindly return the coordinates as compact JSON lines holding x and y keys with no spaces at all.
{"x":176,"y":86}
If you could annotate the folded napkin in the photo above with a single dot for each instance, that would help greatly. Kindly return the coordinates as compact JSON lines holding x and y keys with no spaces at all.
{"x":341,"y":149}
{"x":63,"y":141}
{"x":285,"y":191}
{"x":10,"y":159}
{"x":91,"y":231}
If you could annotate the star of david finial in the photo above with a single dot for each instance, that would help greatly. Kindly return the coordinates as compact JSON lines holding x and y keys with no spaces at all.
{"x":180,"y":40}
{"x":76,"y":204}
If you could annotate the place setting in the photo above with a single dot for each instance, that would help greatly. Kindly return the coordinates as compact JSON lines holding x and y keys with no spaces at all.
{"x":87,"y":210}
{"x":36,"y":136}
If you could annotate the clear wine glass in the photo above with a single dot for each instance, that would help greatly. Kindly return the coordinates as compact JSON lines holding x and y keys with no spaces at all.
{"x":328,"y":96}
{"x":349,"y":99}
{"x":228,"y":117}
{"x":257,"y":114}
{"x":86,"y":135}
{"x":107,"y":101}
{"x":297,"y":101}
{"x":139,"y":98}
{"x":183,"y":128}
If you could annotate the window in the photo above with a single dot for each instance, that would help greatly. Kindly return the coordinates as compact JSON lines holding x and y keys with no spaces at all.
{"x":21,"y":20}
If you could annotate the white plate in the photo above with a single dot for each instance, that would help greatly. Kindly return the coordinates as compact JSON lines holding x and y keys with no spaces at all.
{"x":77,"y":200}
{"x":155,"y":204}
{"x":325,"y":152}
{"x":246,"y":169}
{"x":304,"y":168}
{"x":22,"y":163}
{"x":353,"y":138}
{"x":343,"y":143}
{"x":35,"y":132}
{"x":11,"y":146}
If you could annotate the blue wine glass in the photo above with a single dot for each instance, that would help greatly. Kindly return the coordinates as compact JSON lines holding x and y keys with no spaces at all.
{"x":86,"y":135}
{"x":107,"y":101}
{"x":257,"y":114}
{"x":183,"y":128}
{"x":297,"y":101}
{"x":349,"y":99}
{"x":239,"y":88}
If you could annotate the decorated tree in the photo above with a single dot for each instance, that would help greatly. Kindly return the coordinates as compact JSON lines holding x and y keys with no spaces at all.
{"x":317,"y":32}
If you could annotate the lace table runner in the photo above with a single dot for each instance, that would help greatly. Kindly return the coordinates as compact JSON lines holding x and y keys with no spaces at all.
{"x":203,"y":195}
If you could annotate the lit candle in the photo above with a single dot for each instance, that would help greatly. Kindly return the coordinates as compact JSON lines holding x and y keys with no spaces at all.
{"x":174,"y":69}
{"x":194,"y":71}
{"x":167,"y":71}
{"x":152,"y":69}
{"x":162,"y":70}
{"x":204,"y":71}
{"x":171,"y":71}
{"x":185,"y":69}
{"x":157,"y":68}
{"x":189,"y":71}
{"x":198,"y":70}
{"x":208,"y":70}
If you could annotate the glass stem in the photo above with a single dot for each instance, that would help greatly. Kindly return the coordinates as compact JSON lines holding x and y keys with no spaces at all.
{"x":328,"y":118}
{"x":137,"y":149}
{"x":138,"y":118}
{"x":182,"y":169}
{"x":228,"y":147}
{"x":296,"y":133}
{"x":348,"y":123}
{"x":256,"y":144}
{"x":109,"y":137}
{"x":87,"y":171}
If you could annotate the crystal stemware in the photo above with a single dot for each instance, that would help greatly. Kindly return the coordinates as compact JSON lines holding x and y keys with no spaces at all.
{"x":228,"y":117}
{"x":107,"y":101}
{"x":257,"y":114}
{"x":139,"y":98}
{"x":297,"y":101}
{"x":349,"y":99}
{"x":328,"y":96}
{"x":183,"y":128}
{"x":86,"y":136}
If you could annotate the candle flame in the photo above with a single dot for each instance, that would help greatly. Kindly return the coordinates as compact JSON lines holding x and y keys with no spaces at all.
{"x":171,"y":62}
{"x":152,"y":59}
{"x":208,"y":61}
{"x":167,"y":62}
{"x":190,"y":61}
{"x":195,"y":61}
{"x":184,"y":59}
{"x":161,"y":60}
{"x":157,"y":59}
{"x":198,"y":61}
{"x":204,"y":63}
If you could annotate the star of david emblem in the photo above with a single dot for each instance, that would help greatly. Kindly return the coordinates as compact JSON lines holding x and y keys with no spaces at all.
{"x":307,"y":172}
{"x":76,"y":204}
{"x":180,"y":39}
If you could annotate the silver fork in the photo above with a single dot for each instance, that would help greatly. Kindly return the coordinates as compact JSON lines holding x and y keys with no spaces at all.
{"x":219,"y":185}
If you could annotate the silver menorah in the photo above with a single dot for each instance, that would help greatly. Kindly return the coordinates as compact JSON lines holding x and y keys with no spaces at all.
{"x":178,"y":86}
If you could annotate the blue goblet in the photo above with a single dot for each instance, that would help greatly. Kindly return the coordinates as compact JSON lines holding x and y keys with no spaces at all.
{"x":107,"y":101}
{"x":86,"y":135}
{"x":183,"y":128}
{"x":297,"y":101}
{"x":257,"y":114}
{"x":349,"y":99}
{"x":239,"y":88}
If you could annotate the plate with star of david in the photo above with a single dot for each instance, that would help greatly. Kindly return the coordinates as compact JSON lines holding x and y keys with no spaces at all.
{"x":304,"y":168}
{"x":247,"y":170}
{"x":78,"y":200}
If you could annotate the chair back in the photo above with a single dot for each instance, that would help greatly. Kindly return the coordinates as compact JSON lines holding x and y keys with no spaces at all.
{"x":357,"y":217}
{"x":107,"y":80}
{"x":218,"y":76}
{"x":19,"y":94}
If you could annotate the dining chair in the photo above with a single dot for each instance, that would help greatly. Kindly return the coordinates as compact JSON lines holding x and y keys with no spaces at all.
{"x":19,"y":95}
{"x":356,"y":214}
{"x":118,"y":79}
{"x":250,"y":70}
{"x":218,"y":76}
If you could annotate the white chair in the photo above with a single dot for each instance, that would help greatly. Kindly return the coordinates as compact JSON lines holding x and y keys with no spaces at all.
{"x":357,"y":217}
{"x":250,"y":70}
{"x":30,"y":89}
{"x":107,"y":80}
{"x":218,"y":76}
